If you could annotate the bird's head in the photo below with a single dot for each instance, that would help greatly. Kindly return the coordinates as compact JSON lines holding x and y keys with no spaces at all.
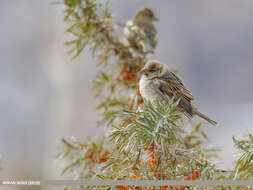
{"x":145,"y":15}
{"x":153,"y":68}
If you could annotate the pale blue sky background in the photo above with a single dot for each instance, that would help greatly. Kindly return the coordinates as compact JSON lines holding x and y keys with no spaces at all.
{"x":44,"y":97}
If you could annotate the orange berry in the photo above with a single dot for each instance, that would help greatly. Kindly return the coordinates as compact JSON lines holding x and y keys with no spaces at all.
{"x":140,"y":102}
{"x":194,"y":177}
{"x":153,"y":163}
{"x":187,"y":178}
{"x":133,"y":170}
{"x":90,"y":154}
{"x":121,"y":187}
{"x":138,"y":93}
{"x":127,"y":75}
{"x":197,"y":173}
{"x":101,"y":160}
{"x":152,"y":146}
{"x":158,"y":175}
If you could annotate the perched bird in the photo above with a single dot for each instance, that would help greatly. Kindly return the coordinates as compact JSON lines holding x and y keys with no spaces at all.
{"x":158,"y":82}
{"x":141,"y":32}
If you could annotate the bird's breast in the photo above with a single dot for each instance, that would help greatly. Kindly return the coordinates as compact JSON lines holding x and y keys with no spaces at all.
{"x":147,"y":89}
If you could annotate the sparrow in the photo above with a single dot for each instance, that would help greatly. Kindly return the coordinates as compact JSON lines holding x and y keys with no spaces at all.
{"x":140,"y":32}
{"x":157,"y":81}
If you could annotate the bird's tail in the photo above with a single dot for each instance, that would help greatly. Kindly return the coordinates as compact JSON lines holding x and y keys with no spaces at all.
{"x":196,"y":112}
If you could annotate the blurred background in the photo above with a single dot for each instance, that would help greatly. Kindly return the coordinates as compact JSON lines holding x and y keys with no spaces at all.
{"x":45,"y":96}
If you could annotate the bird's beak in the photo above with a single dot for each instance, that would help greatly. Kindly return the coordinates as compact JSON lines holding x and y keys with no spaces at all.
{"x":143,"y":71}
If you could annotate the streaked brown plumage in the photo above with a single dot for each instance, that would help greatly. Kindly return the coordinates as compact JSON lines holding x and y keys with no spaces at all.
{"x":158,"y":82}
{"x":140,"y":32}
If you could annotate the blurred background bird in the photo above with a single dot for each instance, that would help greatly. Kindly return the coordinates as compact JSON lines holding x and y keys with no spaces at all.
{"x":157,"y":81}
{"x":141,"y":33}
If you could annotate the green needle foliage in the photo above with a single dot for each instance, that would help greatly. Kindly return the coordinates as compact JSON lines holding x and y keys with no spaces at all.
{"x":142,"y":140}
{"x":244,"y":165}
{"x":151,"y":124}
{"x":156,"y":133}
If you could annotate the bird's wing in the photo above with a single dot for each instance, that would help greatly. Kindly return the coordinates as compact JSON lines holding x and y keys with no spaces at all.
{"x":151,"y":33}
{"x":171,"y":83}
{"x":170,"y":86}
{"x":135,"y":34}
